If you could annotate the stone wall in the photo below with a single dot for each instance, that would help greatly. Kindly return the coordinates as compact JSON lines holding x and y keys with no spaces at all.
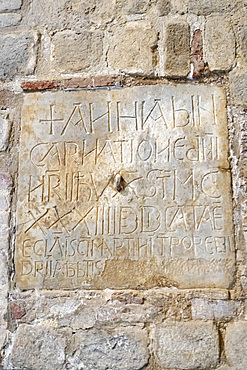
{"x":78,"y":44}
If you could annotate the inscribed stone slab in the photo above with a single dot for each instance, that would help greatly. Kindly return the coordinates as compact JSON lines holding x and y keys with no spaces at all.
{"x":125,"y":188}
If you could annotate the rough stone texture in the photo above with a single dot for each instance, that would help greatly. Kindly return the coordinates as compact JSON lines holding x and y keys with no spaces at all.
{"x":40,"y":347}
{"x":164,"y":7}
{"x":6,"y":5}
{"x":17,"y":55}
{"x":219,"y":43}
{"x":186,"y":345}
{"x":133,"y":6}
{"x":238,"y":85}
{"x":215,"y":310}
{"x":177,"y":49}
{"x":82,"y":50}
{"x":205,"y":7}
{"x":236,"y":345}
{"x":133,"y":49}
{"x":118,"y":349}
{"x":60,"y":14}
{"x":78,"y":230}
{"x":5,"y":126}
{"x":240,"y":29}
{"x":9,"y":19}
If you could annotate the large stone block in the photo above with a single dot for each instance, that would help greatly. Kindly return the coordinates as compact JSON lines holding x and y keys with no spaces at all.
{"x":6,"y":5}
{"x":118,"y":349}
{"x":238,"y":85}
{"x":239,"y":20}
{"x":236,"y":345}
{"x":89,"y":158}
{"x":39,"y":347}
{"x":17,"y":55}
{"x":186,"y":345}
{"x":133,"y":49}
{"x":177,"y":49}
{"x":219,"y":43}
{"x":59,"y":14}
{"x":74,"y":52}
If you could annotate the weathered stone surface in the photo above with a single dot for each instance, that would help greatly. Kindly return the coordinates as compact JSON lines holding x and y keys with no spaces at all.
{"x":205,"y":7}
{"x":5,"y":126}
{"x":133,"y":48}
{"x":214,"y":309}
{"x":177,"y":49}
{"x":120,"y":349}
{"x":6,"y":5}
{"x":133,"y":6}
{"x":238,"y":85}
{"x":17,"y":55}
{"x":236,"y":345}
{"x":82,"y":50}
{"x":219,"y":43}
{"x":40,"y":347}
{"x":9,"y":19}
{"x":163,"y":6}
{"x":59,"y":14}
{"x":186,"y":345}
{"x":240,"y":28}
{"x":98,"y":174}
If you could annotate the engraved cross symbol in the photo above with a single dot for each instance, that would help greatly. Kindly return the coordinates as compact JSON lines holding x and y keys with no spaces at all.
{"x":52,"y":119}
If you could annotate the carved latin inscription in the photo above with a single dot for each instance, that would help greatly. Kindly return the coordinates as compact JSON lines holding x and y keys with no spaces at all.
{"x":124,"y":188}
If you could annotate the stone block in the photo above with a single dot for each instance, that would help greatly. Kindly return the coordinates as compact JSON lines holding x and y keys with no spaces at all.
{"x":219,"y":43}
{"x":75,"y":52}
{"x":133,"y":6}
{"x":240,"y":28}
{"x":133,"y":49}
{"x":177,"y":49}
{"x":60,"y":14}
{"x":238,"y":85}
{"x":8,"y":5}
{"x":5,"y":126}
{"x":206,"y":7}
{"x":236,"y":345}
{"x":186,"y":345}
{"x":39,"y":347}
{"x":163,"y":7}
{"x":118,"y":349}
{"x":214,"y":309}
{"x":96,"y":209}
{"x":17,"y":55}
{"x":9,"y":19}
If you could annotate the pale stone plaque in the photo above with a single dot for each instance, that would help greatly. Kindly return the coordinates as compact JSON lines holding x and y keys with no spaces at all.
{"x":125,"y":188}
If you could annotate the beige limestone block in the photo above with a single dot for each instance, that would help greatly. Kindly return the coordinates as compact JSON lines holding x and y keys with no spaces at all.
{"x":219,"y":43}
{"x":177,"y":49}
{"x":119,"y":349}
{"x":74,"y":52}
{"x":125,"y":188}
{"x":236,"y":345}
{"x":40,"y":347}
{"x":186,"y":345}
{"x":133,"y":48}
